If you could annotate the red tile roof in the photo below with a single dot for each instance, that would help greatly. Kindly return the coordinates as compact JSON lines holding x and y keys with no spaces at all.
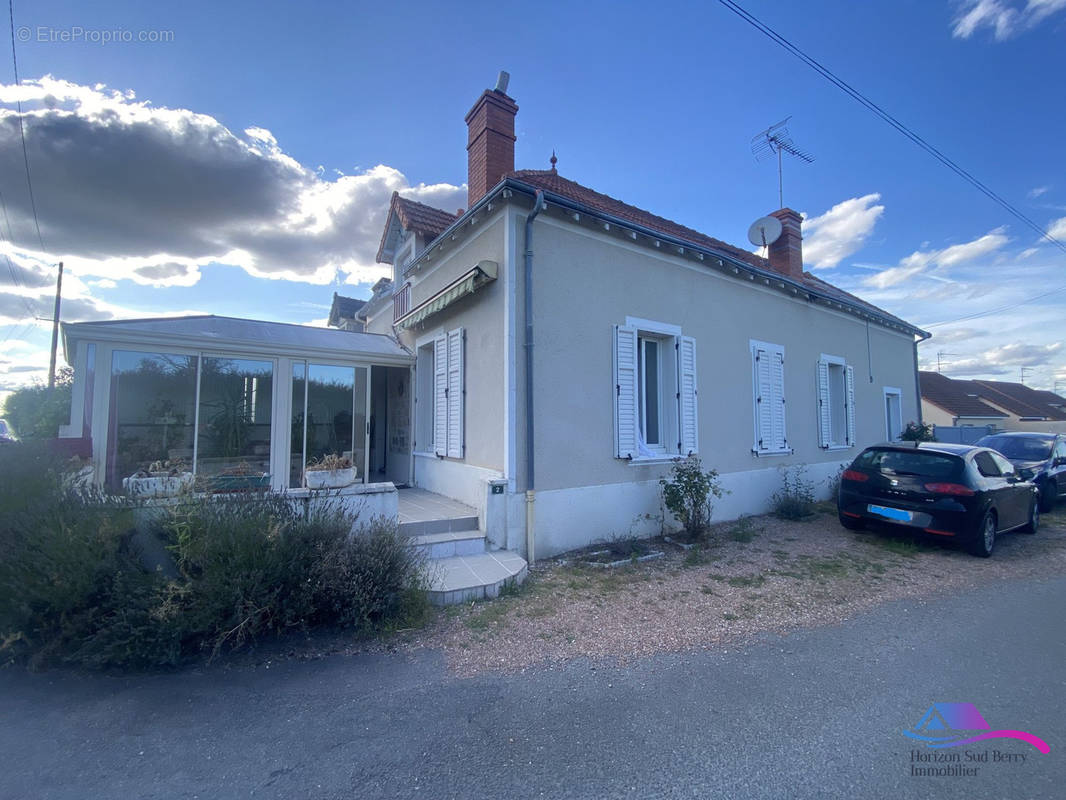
{"x":954,"y":396}
{"x":414,"y":216}
{"x":551,"y":181}
{"x":427,"y":220}
{"x":1020,"y":399}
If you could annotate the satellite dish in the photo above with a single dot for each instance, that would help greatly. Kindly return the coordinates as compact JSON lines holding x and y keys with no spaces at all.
{"x":764,"y":231}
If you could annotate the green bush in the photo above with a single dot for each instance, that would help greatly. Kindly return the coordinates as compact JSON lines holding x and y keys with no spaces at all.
{"x":687,"y":494}
{"x":36,"y":412}
{"x":73,"y":591}
{"x":795,"y":499}
{"x":918,"y":432}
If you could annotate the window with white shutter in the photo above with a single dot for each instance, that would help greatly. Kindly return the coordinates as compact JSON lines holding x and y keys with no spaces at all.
{"x":768,"y":383}
{"x":836,"y":403}
{"x":893,"y":413}
{"x":449,"y":390}
{"x":655,"y":391}
{"x":688,"y":411}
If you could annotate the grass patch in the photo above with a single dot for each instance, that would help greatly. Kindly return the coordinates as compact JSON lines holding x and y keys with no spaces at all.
{"x":743,"y":531}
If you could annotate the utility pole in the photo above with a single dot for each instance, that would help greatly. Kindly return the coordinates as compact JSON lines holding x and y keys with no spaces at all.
{"x":55,"y":330}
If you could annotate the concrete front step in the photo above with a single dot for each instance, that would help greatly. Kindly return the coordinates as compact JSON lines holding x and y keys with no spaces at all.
{"x":446,"y":545}
{"x":445,"y":525}
{"x":464,"y":579}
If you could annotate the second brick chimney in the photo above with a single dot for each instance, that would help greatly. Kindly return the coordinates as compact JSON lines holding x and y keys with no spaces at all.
{"x":490,"y":145}
{"x":786,"y":254}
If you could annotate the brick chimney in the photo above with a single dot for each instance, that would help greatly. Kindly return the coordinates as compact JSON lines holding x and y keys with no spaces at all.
{"x":490,"y":145}
{"x":786,"y":254}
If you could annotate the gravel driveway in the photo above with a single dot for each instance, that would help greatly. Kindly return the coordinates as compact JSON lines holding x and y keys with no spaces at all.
{"x":758,"y":574}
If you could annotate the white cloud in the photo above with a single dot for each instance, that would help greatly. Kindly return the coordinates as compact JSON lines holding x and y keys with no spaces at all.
{"x":961,"y":253}
{"x":1005,"y":358}
{"x":1003,"y":18}
{"x":1036,"y":191}
{"x":840,"y":231}
{"x":1057,"y":228}
{"x":920,"y":261}
{"x":168,"y":191}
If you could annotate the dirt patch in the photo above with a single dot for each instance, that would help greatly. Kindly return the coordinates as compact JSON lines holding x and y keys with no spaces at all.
{"x":758,"y":574}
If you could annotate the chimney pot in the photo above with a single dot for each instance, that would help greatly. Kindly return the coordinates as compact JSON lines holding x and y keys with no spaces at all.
{"x":786,"y":254}
{"x":490,"y":142}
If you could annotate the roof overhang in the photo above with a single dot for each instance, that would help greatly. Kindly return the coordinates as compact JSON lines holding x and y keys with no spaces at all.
{"x":709,"y":256}
{"x":111,"y":332}
{"x":467,"y":283}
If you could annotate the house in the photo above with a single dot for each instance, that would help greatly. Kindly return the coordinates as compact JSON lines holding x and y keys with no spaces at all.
{"x":953,"y":403}
{"x":541,"y":358}
{"x":1007,"y":405}
{"x":342,"y":313}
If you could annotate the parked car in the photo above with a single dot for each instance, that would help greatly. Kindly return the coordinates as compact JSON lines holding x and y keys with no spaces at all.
{"x":1038,"y":457}
{"x":968,"y":493}
{"x":6,"y":433}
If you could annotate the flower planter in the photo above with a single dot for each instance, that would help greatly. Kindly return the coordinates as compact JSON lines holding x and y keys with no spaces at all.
{"x":158,"y":485}
{"x":329,"y":478}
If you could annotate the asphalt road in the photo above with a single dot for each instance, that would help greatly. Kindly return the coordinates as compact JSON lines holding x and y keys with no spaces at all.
{"x":818,"y":713}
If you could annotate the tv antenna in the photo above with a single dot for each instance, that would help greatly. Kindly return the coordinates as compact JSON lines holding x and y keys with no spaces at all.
{"x":1023,"y":371}
{"x":776,"y":140}
{"x":940,"y":355}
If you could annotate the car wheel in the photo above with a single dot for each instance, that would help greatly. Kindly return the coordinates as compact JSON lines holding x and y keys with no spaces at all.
{"x":1034,"y":518}
{"x":850,"y":523}
{"x":1049,"y":492}
{"x":985,"y":540}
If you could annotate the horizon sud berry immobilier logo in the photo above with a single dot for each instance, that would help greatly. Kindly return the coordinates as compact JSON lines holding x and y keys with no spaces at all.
{"x":947,"y":726}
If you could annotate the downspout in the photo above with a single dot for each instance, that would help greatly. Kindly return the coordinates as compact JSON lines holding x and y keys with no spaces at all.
{"x":917,"y":377}
{"x":538,"y":205}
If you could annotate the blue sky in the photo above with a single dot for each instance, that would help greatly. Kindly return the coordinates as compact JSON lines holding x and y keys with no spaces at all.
{"x":243,"y":165}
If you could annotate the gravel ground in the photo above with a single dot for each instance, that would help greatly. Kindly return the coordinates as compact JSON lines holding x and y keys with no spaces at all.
{"x":759,"y":574}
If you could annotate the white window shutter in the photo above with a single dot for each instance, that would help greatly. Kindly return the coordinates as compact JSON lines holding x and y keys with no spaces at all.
{"x":778,"y":438}
{"x":456,"y":391}
{"x":625,"y":392}
{"x":440,"y":395}
{"x":824,"y":423}
{"x":688,"y":411}
{"x":763,"y":400}
{"x":850,"y":377}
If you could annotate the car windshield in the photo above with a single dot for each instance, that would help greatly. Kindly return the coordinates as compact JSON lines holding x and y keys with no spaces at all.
{"x":1023,"y":448}
{"x":910,"y":462}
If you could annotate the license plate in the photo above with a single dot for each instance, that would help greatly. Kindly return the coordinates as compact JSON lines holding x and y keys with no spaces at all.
{"x":890,"y":513}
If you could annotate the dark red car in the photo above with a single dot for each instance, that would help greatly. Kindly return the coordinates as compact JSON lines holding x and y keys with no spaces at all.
{"x":966,"y":493}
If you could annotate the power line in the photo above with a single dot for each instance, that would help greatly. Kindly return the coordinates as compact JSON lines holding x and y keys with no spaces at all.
{"x":891,"y":120}
{"x":1008,"y":307}
{"x":22,"y":130}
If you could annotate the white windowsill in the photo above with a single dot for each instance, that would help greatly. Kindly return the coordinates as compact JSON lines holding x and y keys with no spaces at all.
{"x":839,"y":447}
{"x":646,"y":460}
{"x":761,"y":453}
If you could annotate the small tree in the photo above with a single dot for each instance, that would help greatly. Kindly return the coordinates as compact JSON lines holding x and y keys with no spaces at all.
{"x":918,"y":432}
{"x":36,"y":412}
{"x":687,"y":494}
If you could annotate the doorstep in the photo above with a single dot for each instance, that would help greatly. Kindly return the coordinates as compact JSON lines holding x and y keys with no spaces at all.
{"x":465,"y":579}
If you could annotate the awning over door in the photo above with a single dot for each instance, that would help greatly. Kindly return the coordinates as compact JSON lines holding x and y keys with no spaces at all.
{"x":468,"y":283}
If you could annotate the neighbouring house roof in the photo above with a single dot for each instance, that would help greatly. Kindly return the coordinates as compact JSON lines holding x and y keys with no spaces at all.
{"x":954,"y":396}
{"x":209,"y":331}
{"x":550,"y":181}
{"x":412,"y":216}
{"x":343,"y":308}
{"x":1020,"y":399}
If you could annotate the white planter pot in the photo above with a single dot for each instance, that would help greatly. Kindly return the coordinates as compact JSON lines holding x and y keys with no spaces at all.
{"x":165,"y":486}
{"x":329,"y":479}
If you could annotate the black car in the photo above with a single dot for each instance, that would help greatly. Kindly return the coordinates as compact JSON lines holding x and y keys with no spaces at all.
{"x":1038,"y":457}
{"x":968,"y":493}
